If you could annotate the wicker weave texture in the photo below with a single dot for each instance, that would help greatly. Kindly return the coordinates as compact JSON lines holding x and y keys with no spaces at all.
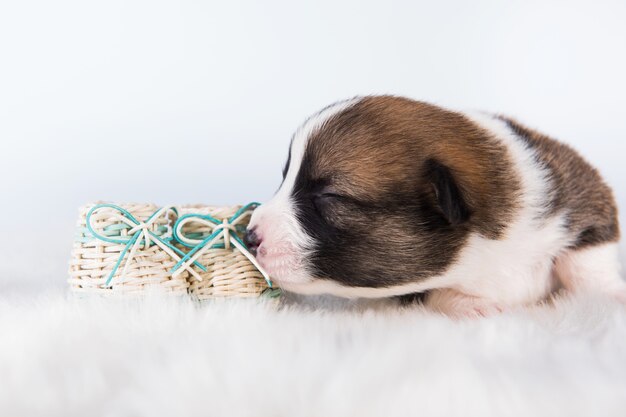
{"x":229,"y":273}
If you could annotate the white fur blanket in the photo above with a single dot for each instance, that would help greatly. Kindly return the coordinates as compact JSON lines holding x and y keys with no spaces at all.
{"x":62,"y":356}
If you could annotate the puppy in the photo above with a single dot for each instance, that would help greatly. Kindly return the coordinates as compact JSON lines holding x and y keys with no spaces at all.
{"x":385,"y":196}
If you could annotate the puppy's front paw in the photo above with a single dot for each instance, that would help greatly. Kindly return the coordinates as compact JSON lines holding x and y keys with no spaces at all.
{"x":458,"y":305}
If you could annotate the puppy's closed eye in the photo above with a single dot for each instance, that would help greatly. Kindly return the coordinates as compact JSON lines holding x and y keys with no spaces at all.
{"x":323,"y":202}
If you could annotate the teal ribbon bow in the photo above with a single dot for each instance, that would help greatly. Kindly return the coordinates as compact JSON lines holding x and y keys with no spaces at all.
{"x":221,"y":229}
{"x":138,"y":233}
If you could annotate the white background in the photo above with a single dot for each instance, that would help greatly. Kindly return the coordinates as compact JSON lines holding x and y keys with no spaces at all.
{"x":190,"y":101}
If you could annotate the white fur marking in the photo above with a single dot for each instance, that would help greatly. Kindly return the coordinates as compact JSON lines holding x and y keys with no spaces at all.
{"x":280,"y":230}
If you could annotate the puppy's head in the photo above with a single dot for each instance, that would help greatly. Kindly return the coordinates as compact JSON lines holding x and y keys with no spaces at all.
{"x":377,"y":193}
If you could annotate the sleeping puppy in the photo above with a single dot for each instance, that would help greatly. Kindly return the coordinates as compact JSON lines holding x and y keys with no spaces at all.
{"x":386,"y":196}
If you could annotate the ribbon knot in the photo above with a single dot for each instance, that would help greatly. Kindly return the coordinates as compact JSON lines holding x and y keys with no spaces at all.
{"x":226,"y":228}
{"x":138,"y":233}
{"x":220,"y":230}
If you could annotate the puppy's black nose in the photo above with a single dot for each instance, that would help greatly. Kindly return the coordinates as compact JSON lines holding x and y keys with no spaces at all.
{"x":252,"y":240}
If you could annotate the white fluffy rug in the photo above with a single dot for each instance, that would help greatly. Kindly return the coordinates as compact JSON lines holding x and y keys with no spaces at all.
{"x":63,"y":356}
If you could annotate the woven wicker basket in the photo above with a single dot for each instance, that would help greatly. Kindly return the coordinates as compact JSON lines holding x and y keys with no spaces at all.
{"x":93,"y":259}
{"x":228,"y":272}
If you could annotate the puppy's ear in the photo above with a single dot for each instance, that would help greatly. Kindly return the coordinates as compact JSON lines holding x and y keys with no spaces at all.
{"x":447,"y":193}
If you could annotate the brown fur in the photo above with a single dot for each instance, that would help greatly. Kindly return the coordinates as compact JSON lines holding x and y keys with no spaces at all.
{"x":381,"y":144}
